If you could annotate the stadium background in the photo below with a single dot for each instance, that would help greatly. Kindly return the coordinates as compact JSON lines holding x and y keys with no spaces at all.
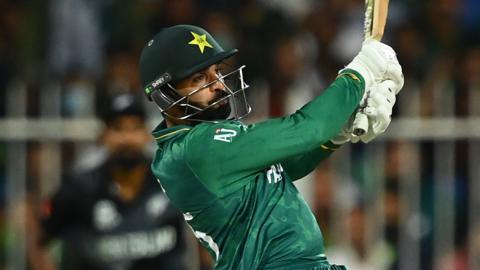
{"x":411,"y":197}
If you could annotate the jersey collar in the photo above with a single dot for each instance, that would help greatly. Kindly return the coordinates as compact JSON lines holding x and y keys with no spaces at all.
{"x":161,"y":133}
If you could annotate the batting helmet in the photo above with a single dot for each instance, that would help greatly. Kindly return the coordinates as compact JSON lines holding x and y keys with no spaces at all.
{"x":177,"y":52}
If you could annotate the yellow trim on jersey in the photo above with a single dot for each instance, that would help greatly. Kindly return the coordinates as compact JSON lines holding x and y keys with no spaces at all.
{"x":324,"y":147}
{"x":351,"y":75}
{"x":171,"y":133}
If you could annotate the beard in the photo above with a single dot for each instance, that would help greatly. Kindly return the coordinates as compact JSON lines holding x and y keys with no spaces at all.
{"x":212,"y":114}
{"x":127,"y":159}
{"x":222,"y":112}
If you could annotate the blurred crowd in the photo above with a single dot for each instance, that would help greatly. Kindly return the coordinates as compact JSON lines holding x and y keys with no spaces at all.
{"x":89,"y":50}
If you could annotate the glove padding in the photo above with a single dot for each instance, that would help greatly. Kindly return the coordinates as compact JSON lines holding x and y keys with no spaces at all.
{"x":380,"y":102}
{"x":377,"y":62}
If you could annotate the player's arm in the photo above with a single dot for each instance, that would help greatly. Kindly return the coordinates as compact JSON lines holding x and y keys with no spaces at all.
{"x":247,"y":149}
{"x":237,"y":149}
{"x":380,"y":102}
{"x":300,"y":166}
{"x":379,"y":110}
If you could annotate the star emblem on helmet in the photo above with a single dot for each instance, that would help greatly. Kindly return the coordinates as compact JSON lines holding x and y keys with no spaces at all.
{"x":200,"y":41}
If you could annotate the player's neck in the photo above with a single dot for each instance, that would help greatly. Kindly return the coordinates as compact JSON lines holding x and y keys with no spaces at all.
{"x":171,"y":122}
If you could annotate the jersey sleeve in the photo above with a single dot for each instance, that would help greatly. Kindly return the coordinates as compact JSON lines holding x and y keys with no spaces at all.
{"x":300,"y":166}
{"x":227,"y":152}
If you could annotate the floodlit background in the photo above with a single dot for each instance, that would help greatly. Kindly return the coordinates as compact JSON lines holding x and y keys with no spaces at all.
{"x":409,"y":200}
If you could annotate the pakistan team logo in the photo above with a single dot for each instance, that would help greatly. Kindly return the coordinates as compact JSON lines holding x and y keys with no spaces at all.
{"x":200,"y":41}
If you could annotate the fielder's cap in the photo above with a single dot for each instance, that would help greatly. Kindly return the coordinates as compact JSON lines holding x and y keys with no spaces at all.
{"x":125,"y":104}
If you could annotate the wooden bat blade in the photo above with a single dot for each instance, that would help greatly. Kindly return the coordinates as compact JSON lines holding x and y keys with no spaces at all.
{"x":380,"y":13}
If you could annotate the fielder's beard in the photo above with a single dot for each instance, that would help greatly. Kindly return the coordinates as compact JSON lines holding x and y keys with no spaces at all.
{"x":127,"y":159}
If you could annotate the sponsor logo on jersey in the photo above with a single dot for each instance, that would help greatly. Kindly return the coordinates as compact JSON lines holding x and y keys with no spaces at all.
{"x":137,"y":245}
{"x":224,"y":135}
{"x":274,"y":174}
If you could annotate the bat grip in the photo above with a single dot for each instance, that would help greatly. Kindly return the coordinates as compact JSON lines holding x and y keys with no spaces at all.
{"x":360,"y":123}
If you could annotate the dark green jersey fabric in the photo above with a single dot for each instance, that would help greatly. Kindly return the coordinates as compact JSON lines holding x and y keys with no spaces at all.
{"x":233,"y":182}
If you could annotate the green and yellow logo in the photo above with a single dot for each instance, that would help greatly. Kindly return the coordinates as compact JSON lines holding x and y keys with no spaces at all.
{"x":200,"y":41}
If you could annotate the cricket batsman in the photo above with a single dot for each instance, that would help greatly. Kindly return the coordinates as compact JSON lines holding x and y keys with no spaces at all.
{"x":234,"y":182}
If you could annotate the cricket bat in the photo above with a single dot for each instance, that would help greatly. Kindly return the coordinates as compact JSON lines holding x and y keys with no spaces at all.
{"x":376,"y":12}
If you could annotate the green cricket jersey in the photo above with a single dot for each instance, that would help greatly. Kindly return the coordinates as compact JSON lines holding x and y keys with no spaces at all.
{"x":233,"y":182}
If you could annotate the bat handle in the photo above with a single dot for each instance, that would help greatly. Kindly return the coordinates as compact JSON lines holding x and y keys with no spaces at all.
{"x":360,"y":123}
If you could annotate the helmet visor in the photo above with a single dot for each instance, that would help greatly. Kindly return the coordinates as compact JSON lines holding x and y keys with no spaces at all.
{"x":230,"y":104}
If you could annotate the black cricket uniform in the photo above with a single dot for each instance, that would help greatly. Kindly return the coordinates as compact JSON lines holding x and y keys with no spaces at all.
{"x":101,"y":232}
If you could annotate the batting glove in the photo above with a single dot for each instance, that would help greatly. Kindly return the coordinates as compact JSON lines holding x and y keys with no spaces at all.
{"x":380,"y":102}
{"x":377,"y":62}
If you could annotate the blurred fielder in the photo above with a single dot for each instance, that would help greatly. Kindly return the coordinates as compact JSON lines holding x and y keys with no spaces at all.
{"x":234,"y":182}
{"x":108,"y":211}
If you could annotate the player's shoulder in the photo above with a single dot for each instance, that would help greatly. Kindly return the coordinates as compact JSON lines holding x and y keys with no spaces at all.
{"x":198,"y":141}
{"x":214,"y":139}
{"x":225,"y":123}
